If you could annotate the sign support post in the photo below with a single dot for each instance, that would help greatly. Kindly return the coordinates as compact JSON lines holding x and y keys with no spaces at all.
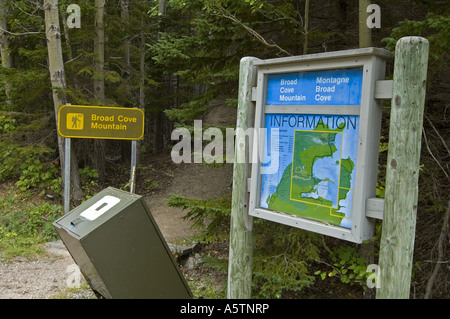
{"x":133,"y":166}
{"x":402,"y":173}
{"x":241,"y":227}
{"x":67,"y":146}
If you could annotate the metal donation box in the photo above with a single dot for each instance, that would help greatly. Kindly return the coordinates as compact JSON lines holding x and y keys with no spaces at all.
{"x":119,"y":248}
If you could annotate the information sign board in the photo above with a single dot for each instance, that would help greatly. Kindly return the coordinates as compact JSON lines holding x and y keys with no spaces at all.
{"x":320,"y":127}
{"x":79,"y":121}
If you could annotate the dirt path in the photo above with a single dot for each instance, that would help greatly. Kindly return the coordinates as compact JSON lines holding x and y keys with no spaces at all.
{"x":41,"y":278}
{"x":193,"y":181}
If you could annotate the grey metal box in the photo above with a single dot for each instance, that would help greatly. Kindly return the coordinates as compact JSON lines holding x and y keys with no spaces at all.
{"x":119,"y":248}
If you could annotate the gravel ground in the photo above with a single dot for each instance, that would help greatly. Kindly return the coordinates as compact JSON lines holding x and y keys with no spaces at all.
{"x":44,"y":277}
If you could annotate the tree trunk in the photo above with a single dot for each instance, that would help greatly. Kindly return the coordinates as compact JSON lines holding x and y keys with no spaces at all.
{"x":365,"y":33}
{"x":305,"y":28}
{"x":58,"y":81}
{"x":141,"y":82}
{"x":162,"y":7}
{"x":99,"y":51}
{"x":125,"y":17}
{"x":4,"y":46}
{"x":126,"y":67}
{"x":99,"y":84}
{"x":157,"y":115}
{"x":157,"y":131}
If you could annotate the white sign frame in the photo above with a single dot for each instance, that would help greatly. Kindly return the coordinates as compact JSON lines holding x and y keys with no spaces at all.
{"x":373,"y":63}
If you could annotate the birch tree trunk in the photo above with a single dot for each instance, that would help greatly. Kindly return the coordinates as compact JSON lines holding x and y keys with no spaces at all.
{"x":58,"y":81}
{"x":4,"y":45}
{"x":99,"y":83}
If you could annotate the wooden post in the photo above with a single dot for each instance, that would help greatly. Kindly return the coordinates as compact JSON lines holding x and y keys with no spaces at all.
{"x":400,"y":203}
{"x":241,"y":227}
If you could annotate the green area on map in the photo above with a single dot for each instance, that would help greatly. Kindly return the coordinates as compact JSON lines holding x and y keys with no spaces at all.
{"x":313,"y":185}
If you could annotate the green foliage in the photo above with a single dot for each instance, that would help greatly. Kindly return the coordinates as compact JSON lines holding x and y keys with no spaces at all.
{"x":88,"y":173}
{"x":23,"y":156}
{"x":28,"y":165}
{"x":89,"y":180}
{"x":436,"y":28}
{"x":191,"y":110}
{"x":282,"y":258}
{"x":35,"y":174}
{"x":7,"y":124}
{"x":347,"y":265}
{"x":212,"y":216}
{"x":151,"y":184}
{"x":203,"y":51}
{"x":24,"y":225}
{"x":282,"y":254}
{"x":170,"y":48}
{"x":211,"y":284}
{"x":9,"y":164}
{"x":32,"y":81}
{"x":381,"y":183}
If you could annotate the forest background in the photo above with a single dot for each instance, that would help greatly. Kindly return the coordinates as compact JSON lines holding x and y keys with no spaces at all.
{"x":176,"y":60}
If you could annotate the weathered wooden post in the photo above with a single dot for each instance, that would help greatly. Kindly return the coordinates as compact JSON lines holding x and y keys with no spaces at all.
{"x":400,"y":203}
{"x":241,"y":232}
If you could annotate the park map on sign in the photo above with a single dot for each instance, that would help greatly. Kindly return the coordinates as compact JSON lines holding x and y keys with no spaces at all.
{"x":316,"y":164}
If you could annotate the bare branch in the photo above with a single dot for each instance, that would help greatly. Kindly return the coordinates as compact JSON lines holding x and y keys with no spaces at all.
{"x":439,"y":135}
{"x":260,"y":38}
{"x":431,"y":153}
{"x":73,"y":59}
{"x":29,"y":14}
{"x":19,"y":34}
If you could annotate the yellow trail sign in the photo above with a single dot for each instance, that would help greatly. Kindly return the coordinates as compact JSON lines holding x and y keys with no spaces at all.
{"x":102,"y":122}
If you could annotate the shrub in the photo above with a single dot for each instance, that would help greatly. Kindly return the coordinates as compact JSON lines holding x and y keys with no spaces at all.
{"x":29,"y":166}
{"x":24,"y":225}
{"x":281,"y":253}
